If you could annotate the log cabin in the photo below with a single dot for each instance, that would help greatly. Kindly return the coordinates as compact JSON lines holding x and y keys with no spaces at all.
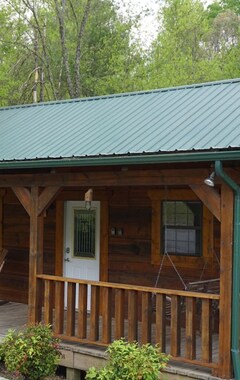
{"x":111,"y":227}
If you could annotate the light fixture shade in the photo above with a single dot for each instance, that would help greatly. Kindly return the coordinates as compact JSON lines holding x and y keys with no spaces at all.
{"x":210,"y":180}
{"x":88,"y":196}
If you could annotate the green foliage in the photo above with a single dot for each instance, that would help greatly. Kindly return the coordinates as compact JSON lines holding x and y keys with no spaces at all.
{"x":83,"y":48}
{"x":129,"y":361}
{"x":32,"y":352}
{"x":178,"y":56}
{"x":195,"y":44}
{"x":90,"y":47}
{"x":231,"y":4}
{"x":213,"y":10}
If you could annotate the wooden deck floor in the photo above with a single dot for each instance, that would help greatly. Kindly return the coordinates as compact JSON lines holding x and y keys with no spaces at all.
{"x":14,"y":316}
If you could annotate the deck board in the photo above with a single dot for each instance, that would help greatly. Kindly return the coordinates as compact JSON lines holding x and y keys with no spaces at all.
{"x":14,"y":316}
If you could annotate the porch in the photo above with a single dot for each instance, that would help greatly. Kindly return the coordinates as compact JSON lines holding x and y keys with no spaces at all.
{"x":184,"y":324}
{"x":78,"y":355}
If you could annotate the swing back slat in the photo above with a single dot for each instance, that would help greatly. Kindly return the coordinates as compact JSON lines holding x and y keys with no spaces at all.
{"x":205,"y":286}
{"x":3,"y":253}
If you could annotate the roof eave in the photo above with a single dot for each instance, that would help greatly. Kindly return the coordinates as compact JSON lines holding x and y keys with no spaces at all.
{"x":173,"y":157}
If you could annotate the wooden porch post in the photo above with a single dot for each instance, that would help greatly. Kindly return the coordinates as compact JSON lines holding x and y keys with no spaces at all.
{"x":225,"y":368}
{"x":104,"y":241}
{"x":35,"y":258}
{"x":35,"y":204}
{"x":59,"y":238}
{"x":2,"y":193}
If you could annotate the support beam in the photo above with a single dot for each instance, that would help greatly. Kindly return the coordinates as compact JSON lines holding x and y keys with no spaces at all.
{"x":143,"y":177}
{"x":35,"y":203}
{"x":209,"y":197}
{"x":224,"y":370}
{"x":23,"y":196}
{"x":116,"y":177}
{"x":2,"y":193}
{"x":46,"y":197}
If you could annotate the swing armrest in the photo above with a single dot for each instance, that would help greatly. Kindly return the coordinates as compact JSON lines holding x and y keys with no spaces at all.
{"x":205,"y":286}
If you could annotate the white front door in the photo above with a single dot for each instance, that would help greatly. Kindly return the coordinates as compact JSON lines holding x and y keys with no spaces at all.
{"x":82,"y":241}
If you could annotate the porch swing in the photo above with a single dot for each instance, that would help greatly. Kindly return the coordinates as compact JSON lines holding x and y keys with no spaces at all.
{"x":3,"y":254}
{"x":201,"y":285}
{"x":166,"y":254}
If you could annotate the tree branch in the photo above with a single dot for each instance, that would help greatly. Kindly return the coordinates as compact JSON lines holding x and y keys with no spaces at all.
{"x":43,"y":42}
{"x":79,"y":47}
{"x":62,"y":32}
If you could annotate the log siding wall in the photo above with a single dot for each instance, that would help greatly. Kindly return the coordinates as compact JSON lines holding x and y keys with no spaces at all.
{"x":129,"y":254}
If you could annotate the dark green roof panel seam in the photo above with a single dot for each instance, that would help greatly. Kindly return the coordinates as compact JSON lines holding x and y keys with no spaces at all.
{"x":196,"y":118}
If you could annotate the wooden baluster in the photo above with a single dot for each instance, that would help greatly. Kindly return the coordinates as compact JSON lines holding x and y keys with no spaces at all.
{"x":161,"y":321}
{"x":206,"y":330}
{"x":119,"y":313}
{"x":190,"y":328}
{"x":94,"y":314}
{"x":106,"y":315}
{"x":59,"y":307}
{"x":48,"y":302}
{"x":146,"y":317}
{"x":175,"y":326}
{"x":82,"y":311}
{"x":71,"y":299}
{"x":132,"y":316}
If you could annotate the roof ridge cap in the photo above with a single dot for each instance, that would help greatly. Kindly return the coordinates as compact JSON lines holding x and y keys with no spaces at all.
{"x":124,"y":94}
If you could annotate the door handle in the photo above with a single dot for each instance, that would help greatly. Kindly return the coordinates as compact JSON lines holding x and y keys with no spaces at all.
{"x":67,"y":259}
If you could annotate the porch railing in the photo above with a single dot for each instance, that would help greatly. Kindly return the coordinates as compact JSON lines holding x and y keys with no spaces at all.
{"x":184,"y":324}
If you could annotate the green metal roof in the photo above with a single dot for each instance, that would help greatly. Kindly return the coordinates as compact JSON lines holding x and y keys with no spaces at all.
{"x":187,"y":123}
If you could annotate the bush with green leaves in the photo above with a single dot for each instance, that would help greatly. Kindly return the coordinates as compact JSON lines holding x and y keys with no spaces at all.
{"x":131,"y":362}
{"x":32,"y":351}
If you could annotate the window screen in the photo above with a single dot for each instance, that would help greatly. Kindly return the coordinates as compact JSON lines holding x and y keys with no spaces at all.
{"x":84,"y":233}
{"x":182,"y":227}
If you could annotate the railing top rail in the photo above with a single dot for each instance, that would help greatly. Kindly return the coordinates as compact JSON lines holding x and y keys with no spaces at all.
{"x":169,"y":292}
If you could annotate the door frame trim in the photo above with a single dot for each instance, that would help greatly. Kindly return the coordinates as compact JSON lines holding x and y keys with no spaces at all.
{"x":69,"y":207}
{"x":104,"y":239}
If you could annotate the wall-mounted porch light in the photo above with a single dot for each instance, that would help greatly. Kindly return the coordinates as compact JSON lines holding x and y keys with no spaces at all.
{"x":210,"y":180}
{"x":88,"y":197}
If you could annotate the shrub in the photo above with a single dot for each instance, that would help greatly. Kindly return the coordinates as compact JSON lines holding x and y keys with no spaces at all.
{"x":32,"y":352}
{"x":131,"y":362}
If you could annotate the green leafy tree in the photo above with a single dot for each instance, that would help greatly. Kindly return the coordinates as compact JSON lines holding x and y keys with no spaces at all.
{"x":233,"y":5}
{"x":68,"y":49}
{"x":178,"y":54}
{"x":11,"y":57}
{"x":223,"y":42}
{"x":195,"y":44}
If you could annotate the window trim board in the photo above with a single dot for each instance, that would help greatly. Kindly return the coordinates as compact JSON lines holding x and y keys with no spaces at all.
{"x":157,"y":196}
